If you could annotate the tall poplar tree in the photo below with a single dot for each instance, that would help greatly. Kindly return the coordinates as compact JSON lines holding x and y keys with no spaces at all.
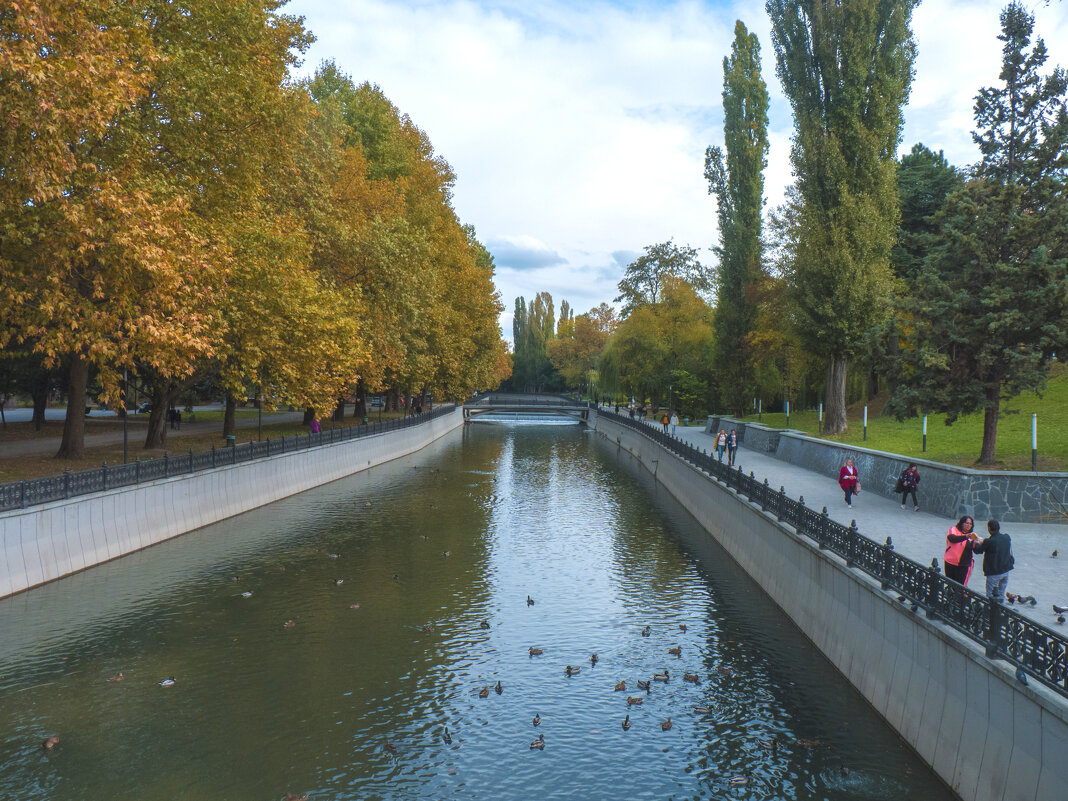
{"x":738,"y":183}
{"x":846,"y":68}
{"x":991,"y":305}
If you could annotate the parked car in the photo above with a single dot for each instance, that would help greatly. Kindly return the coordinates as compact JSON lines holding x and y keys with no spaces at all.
{"x":144,"y":408}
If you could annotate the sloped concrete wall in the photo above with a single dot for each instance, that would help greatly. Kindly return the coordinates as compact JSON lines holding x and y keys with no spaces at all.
{"x":53,"y":540}
{"x":989,"y":737}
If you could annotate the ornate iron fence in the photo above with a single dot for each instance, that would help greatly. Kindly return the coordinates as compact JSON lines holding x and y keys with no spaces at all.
{"x":1003,"y":632}
{"x":22,"y":494}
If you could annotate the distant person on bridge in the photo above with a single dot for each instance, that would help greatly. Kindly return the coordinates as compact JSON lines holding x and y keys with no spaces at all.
{"x":674,"y":422}
{"x":721,"y":443}
{"x":732,"y":447}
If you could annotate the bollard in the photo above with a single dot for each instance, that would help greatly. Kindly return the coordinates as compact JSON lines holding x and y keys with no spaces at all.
{"x":925,"y":433}
{"x":888,"y":549}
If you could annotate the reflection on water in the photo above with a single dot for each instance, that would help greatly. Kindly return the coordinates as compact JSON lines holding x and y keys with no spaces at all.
{"x":363,"y":640}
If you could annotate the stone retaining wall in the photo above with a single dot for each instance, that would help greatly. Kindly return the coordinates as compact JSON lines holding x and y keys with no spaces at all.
{"x":52,"y":540}
{"x":989,"y":737}
{"x":947,"y":490}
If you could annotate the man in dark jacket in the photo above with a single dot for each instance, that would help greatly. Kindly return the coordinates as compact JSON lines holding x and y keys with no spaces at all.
{"x":997,"y":560}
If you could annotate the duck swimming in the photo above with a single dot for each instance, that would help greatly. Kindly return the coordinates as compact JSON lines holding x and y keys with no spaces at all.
{"x":622,"y":686}
{"x":572,"y":671}
{"x":484,"y":624}
{"x":339,"y":582}
{"x":643,"y":685}
{"x":49,"y":743}
{"x":666,"y":725}
{"x":246,"y":594}
{"x":530,"y":601}
{"x":484,"y":692}
{"x":293,"y":797}
{"x":289,"y":624}
{"x":117,"y":677}
{"x":664,"y":677}
{"x":168,"y":682}
{"x":633,"y":701}
{"x":693,"y":678}
{"x":682,"y":627}
{"x":593,"y":659}
{"x":390,"y":747}
{"x":446,"y":736}
{"x":676,"y":651}
{"x":498,"y":689}
{"x":702,"y":710}
{"x":537,"y":719}
{"x":536,"y":651}
{"x":769,"y":745}
{"x":539,"y":744}
{"x":647,"y":632}
{"x":626,"y":723}
{"x":738,"y":781}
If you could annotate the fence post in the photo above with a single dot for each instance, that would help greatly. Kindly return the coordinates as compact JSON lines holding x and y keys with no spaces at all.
{"x":213,"y":454}
{"x":137,"y":469}
{"x":888,"y":548}
{"x":993,"y":638}
{"x":821,"y":529}
{"x":66,"y":481}
{"x":190,"y":460}
{"x":105,"y":474}
{"x":931,"y":603}
{"x":268,"y":446}
{"x":22,"y":493}
{"x":852,"y":544}
{"x":166,"y":466}
{"x":782,"y":503}
{"x":283,"y":443}
{"x":764,"y":496}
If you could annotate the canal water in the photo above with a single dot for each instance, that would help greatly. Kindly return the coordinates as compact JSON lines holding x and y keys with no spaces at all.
{"x":324,"y":644}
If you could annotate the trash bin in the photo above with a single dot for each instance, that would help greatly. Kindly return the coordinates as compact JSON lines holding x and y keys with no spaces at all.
{"x":231,"y":440}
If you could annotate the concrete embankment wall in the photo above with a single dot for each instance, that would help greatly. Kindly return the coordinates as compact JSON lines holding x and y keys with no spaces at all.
{"x":53,"y":540}
{"x":989,"y":737}
{"x":1006,"y":495}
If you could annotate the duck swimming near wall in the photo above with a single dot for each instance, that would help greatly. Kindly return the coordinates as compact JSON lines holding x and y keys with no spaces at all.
{"x":168,"y":682}
{"x":117,"y":677}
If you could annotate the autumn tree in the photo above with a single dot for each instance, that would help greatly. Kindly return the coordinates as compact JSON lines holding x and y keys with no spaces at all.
{"x":574,"y":355}
{"x":737,"y":180}
{"x":846,"y":69}
{"x":991,"y":304}
{"x":645,"y":278}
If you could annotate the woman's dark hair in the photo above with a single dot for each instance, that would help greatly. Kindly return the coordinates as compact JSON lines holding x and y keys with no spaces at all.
{"x":960,"y":523}
{"x":912,"y":466}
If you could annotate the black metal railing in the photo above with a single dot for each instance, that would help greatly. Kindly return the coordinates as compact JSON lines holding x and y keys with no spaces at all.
{"x":1003,"y":632}
{"x":29,"y":492}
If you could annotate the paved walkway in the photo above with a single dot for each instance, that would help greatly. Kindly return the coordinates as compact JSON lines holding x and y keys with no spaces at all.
{"x":921,"y":536}
{"x":49,"y":445}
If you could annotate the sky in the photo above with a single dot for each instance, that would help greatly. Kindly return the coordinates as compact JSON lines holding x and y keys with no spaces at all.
{"x":577,"y":130}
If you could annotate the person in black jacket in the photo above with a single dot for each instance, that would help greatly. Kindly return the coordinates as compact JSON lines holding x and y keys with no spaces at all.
{"x":997,"y":560}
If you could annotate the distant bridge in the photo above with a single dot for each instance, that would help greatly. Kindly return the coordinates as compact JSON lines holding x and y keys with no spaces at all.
{"x":525,"y":404}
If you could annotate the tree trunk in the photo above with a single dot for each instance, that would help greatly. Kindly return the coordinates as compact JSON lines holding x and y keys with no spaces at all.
{"x":73,"y":443}
{"x":360,"y":410}
{"x":40,"y":403}
{"x":873,"y":383}
{"x":157,"y":418}
{"x":229,"y":415}
{"x":339,"y":410}
{"x":309,"y":415}
{"x":834,"y":419}
{"x":988,"y":457}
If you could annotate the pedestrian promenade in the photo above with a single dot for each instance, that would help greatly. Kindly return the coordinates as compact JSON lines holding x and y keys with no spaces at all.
{"x":921,"y":536}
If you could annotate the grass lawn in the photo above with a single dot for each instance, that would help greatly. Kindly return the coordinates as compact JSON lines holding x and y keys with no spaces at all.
{"x":961,"y":442}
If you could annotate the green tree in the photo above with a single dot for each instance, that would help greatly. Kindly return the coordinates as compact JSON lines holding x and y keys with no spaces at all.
{"x":846,"y":68}
{"x":991,"y":307}
{"x":738,"y":183}
{"x":645,"y":277}
{"x":924,"y":180}
{"x":532,"y":328}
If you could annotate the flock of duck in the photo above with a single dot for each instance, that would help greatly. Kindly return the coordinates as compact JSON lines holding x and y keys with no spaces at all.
{"x":645,"y":686}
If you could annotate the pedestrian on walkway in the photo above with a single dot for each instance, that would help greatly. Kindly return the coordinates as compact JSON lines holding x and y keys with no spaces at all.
{"x":314,"y":425}
{"x":674,"y":422}
{"x":960,"y":541}
{"x":721,"y":443}
{"x":664,"y":422}
{"x":732,"y":447}
{"x":906,"y":485}
{"x":178,"y":419}
{"x":849,"y":481}
{"x":997,"y":560}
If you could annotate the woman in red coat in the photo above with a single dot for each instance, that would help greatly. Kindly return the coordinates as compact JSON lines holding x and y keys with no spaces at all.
{"x":848,"y":481}
{"x":958,"y":557}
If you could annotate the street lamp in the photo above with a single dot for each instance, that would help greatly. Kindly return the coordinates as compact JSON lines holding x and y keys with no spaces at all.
{"x":125,"y":413}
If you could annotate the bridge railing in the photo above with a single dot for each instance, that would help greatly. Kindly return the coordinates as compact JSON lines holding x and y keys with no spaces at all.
{"x":1003,"y":632}
{"x":523,"y":399}
{"x":33,"y":491}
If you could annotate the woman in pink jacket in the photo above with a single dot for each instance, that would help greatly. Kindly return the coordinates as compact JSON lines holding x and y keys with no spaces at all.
{"x":958,"y":556}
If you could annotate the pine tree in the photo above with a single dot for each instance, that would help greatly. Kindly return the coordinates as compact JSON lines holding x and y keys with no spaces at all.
{"x":738,"y":183}
{"x":991,"y":307}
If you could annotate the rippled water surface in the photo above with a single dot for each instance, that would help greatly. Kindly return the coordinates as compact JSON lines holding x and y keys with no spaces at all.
{"x":387,"y":578}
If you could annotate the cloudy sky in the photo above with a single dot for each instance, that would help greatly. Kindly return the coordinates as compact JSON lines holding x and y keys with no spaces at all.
{"x":577,"y":130}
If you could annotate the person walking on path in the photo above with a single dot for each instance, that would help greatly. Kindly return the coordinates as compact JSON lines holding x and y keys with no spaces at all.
{"x":732,"y":446}
{"x":664,"y":422}
{"x":960,"y":541}
{"x":997,"y":560}
{"x":721,"y":443}
{"x":849,"y":481}
{"x":674,"y":422}
{"x":314,"y":425}
{"x":906,"y":485}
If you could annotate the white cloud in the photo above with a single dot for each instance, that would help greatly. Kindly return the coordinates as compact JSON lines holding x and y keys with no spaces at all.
{"x":580,"y":131}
